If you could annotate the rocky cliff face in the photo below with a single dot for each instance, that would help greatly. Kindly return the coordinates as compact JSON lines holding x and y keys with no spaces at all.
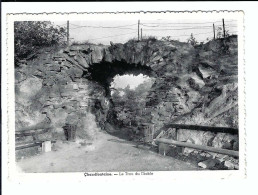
{"x":193,"y":85}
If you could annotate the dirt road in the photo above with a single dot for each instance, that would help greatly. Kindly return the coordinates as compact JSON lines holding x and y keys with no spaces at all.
{"x":106,"y":153}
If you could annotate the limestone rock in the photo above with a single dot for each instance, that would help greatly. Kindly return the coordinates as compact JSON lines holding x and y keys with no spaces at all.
{"x":81,"y":61}
{"x":186,"y":150}
{"x":236,"y":145}
{"x":230,"y":165}
{"x":164,"y":149}
{"x":208,"y":164}
{"x":97,"y":55}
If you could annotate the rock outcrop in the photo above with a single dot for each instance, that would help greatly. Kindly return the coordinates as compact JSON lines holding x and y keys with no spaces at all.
{"x":193,"y":85}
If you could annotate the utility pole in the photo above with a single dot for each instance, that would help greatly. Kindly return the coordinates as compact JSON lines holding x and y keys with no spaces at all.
{"x":141,"y":33}
{"x":214,"y":31}
{"x":138,"y":30}
{"x":224,"y":32}
{"x":67,"y":32}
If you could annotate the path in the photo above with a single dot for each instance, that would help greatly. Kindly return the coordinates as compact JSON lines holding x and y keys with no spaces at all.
{"x":107,"y":153}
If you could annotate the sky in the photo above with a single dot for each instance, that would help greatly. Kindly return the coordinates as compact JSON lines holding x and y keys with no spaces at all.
{"x":128,"y":79}
{"x":121,"y":31}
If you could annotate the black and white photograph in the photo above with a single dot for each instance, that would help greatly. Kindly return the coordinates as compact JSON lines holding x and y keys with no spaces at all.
{"x":127,"y":94}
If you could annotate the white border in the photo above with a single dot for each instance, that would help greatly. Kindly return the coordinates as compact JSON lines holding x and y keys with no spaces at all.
{"x":115,"y":7}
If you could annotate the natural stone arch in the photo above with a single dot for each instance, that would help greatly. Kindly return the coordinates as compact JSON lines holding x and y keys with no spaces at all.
{"x":96,"y":65}
{"x":68,"y":81}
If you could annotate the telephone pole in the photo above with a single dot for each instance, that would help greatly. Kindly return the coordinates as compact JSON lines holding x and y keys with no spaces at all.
{"x":141,"y":33}
{"x":214,"y":31}
{"x":67,"y":32}
{"x":138,"y":30}
{"x":224,"y":32}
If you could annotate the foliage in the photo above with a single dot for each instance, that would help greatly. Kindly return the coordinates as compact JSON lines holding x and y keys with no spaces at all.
{"x":149,"y":38}
{"x":220,"y":34}
{"x":192,"y":40}
{"x":144,"y":38}
{"x":82,"y":43}
{"x":32,"y":35}
{"x":129,"y":103}
{"x":167,"y":38}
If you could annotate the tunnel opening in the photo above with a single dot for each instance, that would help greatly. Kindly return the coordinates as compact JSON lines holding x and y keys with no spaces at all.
{"x":128,"y":94}
{"x":104,"y":72}
{"x":134,"y":80}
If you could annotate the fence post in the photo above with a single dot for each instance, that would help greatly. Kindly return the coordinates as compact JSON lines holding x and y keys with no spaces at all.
{"x":138,"y":30}
{"x":224,"y":32}
{"x":214,"y":31}
{"x":67,"y":32}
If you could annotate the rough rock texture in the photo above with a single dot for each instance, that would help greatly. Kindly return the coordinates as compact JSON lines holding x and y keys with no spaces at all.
{"x":193,"y":85}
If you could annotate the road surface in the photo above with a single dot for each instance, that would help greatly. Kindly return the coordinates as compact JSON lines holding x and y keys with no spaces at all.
{"x":106,"y":153}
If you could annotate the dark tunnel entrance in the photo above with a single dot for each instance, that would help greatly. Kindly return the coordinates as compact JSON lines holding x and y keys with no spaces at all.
{"x":104,"y":72}
{"x":126,"y":109}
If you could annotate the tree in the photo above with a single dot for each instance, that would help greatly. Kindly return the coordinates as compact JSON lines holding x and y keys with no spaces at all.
{"x":129,"y":106}
{"x":32,"y":35}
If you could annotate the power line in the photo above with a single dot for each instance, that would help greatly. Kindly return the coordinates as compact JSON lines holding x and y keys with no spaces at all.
{"x":175,"y":25}
{"x":189,"y":35}
{"x":191,"y":28}
{"x":119,"y":27}
{"x":112,"y":36}
{"x":109,"y":26}
{"x":61,"y":25}
{"x":194,"y":34}
{"x":104,"y":27}
{"x":190,"y":23}
{"x":186,"y":27}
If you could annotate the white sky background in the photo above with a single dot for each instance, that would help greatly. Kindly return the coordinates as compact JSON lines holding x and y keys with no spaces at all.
{"x":132,"y":81}
{"x":121,"y":31}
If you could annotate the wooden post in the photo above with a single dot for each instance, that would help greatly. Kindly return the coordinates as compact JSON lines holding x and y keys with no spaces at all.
{"x":46,"y":146}
{"x":141,"y":33}
{"x":138,"y":30}
{"x":67,"y":32}
{"x":224,"y":31}
{"x":214,"y":31}
{"x":176,"y":132}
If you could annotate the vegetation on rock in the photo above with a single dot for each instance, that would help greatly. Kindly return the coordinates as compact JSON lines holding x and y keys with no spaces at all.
{"x":29,"y":36}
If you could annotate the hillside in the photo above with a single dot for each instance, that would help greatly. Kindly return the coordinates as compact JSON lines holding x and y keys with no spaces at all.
{"x":193,"y":85}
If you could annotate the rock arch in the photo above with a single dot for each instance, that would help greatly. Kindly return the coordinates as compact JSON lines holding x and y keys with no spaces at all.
{"x":74,"y":80}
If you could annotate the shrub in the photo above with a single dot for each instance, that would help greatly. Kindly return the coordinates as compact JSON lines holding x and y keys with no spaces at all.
{"x":192,"y":40}
{"x":149,"y":38}
{"x":220,"y":34}
{"x":32,"y":35}
{"x":82,"y":43}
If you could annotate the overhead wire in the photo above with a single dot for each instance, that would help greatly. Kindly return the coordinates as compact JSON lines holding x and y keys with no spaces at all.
{"x":118,"y":27}
{"x":157,"y":27}
{"x":112,"y":36}
{"x":189,"y":22}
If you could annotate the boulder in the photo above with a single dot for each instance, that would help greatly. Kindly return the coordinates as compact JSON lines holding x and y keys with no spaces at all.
{"x":230,"y":165}
{"x":209,"y":164}
{"x":164,"y":149}
{"x":81,"y":61}
{"x":97,"y":55}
